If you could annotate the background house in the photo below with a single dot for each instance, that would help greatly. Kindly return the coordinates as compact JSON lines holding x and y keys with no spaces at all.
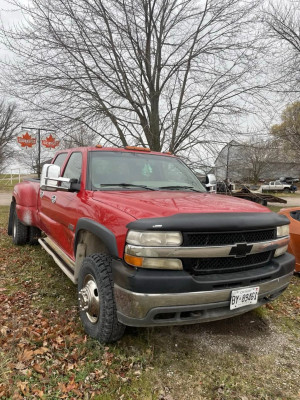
{"x":250,"y":162}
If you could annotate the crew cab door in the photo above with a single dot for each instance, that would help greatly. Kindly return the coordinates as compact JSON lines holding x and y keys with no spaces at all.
{"x":65,"y":207}
{"x":47,"y":204}
{"x":278,"y":185}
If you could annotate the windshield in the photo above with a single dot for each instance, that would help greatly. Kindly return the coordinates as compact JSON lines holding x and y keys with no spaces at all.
{"x":136,"y":171}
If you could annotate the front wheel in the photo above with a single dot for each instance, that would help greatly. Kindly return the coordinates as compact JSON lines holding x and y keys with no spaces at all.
{"x":96,"y":299}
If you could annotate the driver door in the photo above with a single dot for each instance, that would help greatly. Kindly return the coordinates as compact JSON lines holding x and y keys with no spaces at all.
{"x":64,"y":209}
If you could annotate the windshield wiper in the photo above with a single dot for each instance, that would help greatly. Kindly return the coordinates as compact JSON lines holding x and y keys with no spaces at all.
{"x":127,"y":185}
{"x":174,"y":187}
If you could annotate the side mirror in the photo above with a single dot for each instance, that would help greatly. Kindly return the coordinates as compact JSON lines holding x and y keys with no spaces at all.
{"x":51,"y":181}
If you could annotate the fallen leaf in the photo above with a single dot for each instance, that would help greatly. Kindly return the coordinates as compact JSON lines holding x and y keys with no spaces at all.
{"x":72,"y":385}
{"x":20,"y":366}
{"x":38,"y":392}
{"x":38,"y":369}
{"x":4,"y":330}
{"x":70,"y":367}
{"x":23,"y":386}
{"x":41,"y":350}
{"x":26,"y":372}
{"x":26,"y":355}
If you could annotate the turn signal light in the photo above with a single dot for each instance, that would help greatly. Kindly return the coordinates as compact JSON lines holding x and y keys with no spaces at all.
{"x":133,"y":260}
{"x":98,"y":146}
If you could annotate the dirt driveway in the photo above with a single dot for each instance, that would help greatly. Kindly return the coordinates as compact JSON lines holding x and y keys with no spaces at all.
{"x":5,"y":199}
{"x":292,"y":201}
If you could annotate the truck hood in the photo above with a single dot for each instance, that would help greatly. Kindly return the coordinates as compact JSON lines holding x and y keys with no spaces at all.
{"x":151,"y":204}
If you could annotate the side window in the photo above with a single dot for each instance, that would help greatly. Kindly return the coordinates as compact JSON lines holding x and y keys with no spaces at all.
{"x":74,"y":166}
{"x":60,"y":159}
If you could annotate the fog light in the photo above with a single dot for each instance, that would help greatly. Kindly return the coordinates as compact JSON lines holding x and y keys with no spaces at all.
{"x":280,"y":251}
{"x":153,"y":263}
{"x":162,"y":263}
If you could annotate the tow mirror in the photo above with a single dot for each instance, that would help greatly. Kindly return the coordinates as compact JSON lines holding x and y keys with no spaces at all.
{"x":51,"y":180}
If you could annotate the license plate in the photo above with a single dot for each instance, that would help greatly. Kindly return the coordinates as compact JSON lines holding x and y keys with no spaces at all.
{"x":243,"y":297}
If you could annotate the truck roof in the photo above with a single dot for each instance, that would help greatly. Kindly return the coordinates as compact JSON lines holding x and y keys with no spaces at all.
{"x":134,"y":149}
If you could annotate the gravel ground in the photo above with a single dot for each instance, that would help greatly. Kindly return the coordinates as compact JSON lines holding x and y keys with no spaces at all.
{"x":5,"y":199}
{"x":293,"y":201}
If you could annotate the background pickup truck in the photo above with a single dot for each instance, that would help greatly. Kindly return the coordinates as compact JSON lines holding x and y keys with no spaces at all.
{"x":145,"y":244}
{"x":277,"y":186}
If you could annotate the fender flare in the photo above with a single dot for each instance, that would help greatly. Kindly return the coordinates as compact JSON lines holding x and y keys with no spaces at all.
{"x":107,"y":236}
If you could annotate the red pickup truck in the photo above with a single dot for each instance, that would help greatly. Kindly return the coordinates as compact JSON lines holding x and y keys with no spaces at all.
{"x":144,"y":242}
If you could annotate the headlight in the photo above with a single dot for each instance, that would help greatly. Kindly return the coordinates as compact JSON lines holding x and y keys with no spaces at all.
{"x":283,"y":230}
{"x":153,"y":238}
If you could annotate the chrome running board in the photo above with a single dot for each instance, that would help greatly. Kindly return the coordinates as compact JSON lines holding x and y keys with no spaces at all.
{"x":61,"y":259}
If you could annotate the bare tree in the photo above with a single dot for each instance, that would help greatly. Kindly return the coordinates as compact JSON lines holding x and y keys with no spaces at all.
{"x":288,"y":131}
{"x":10,"y":123}
{"x":282,"y":19}
{"x":259,"y":157}
{"x":79,"y":138}
{"x":162,"y":72}
{"x":28,"y":159}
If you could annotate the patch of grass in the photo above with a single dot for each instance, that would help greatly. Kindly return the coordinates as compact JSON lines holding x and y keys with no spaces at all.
{"x":45,"y":353}
{"x":7,"y":184}
{"x":277,"y":208}
{"x":285,"y":311}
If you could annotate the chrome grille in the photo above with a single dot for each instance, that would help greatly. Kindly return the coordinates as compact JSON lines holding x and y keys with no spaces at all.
{"x":191,"y":239}
{"x":204,"y":266}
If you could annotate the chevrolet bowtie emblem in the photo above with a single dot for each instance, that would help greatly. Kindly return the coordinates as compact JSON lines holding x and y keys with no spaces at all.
{"x":241,"y":250}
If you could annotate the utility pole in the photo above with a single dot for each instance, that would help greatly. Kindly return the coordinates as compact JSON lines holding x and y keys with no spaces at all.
{"x":39,"y":145}
{"x":227,"y":161}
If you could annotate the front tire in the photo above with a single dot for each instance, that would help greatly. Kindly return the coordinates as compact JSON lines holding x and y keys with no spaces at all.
{"x":19,"y":231}
{"x":96,"y":299}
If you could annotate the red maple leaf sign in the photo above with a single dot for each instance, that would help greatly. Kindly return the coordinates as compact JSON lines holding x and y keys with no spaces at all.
{"x":50,"y":142}
{"x":26,"y":140}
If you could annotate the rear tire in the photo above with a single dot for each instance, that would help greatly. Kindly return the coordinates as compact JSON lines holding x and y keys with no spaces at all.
{"x":97,"y":306}
{"x":19,"y":231}
{"x":11,"y":218}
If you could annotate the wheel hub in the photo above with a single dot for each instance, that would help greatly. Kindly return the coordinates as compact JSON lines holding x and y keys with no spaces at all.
{"x":88,"y":298}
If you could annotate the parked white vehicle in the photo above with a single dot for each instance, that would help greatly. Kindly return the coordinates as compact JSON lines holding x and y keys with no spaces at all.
{"x":276,"y":186}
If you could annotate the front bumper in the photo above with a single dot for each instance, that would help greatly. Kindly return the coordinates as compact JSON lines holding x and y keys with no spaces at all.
{"x":137,"y":308}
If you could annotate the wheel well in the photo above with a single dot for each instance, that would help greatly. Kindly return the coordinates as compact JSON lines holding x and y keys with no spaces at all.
{"x":92,"y":243}
{"x":87,"y":243}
